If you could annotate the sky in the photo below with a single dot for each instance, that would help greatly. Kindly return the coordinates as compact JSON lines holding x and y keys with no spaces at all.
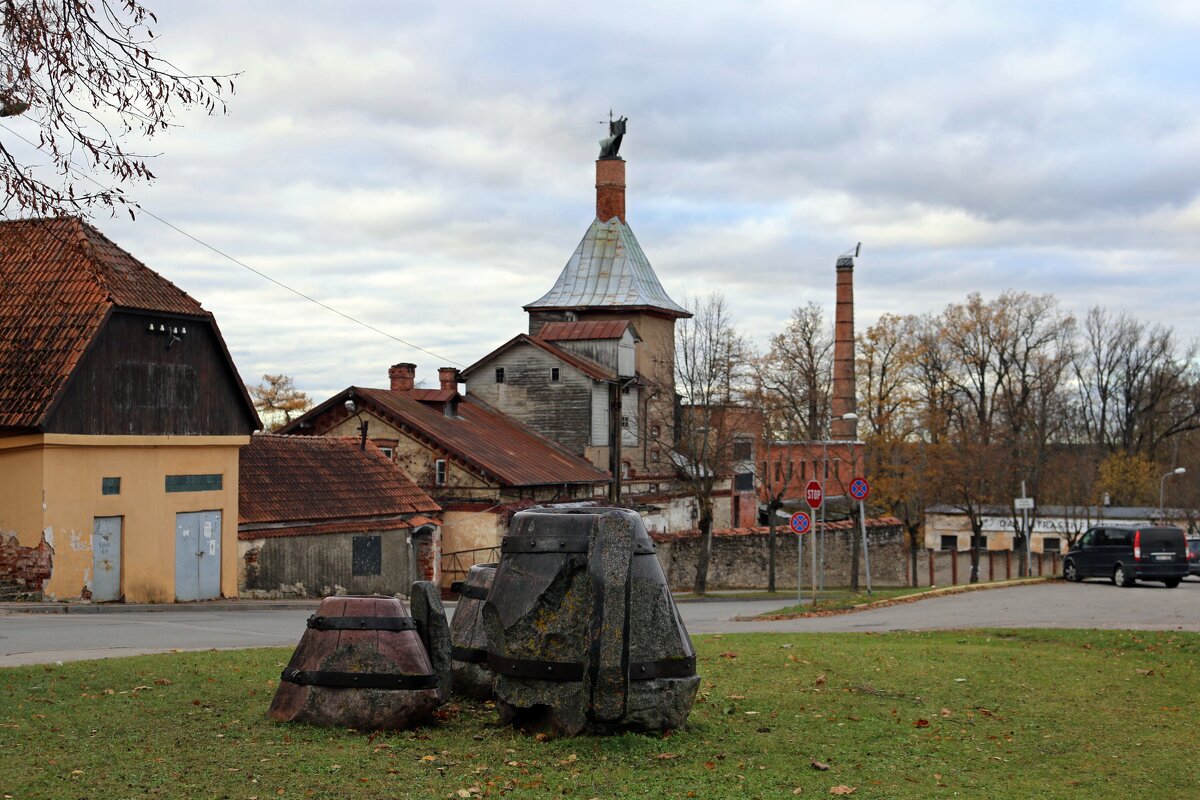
{"x":429,"y":167}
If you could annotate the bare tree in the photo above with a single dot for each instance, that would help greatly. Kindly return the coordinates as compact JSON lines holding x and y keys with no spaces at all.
{"x":278,"y":401}
{"x":88,"y":73}
{"x":710,"y":357}
{"x":795,"y":375}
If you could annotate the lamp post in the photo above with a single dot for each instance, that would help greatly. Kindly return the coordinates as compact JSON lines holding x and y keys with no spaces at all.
{"x":1162,"y":485}
{"x":849,"y":416}
{"x":352,"y":407}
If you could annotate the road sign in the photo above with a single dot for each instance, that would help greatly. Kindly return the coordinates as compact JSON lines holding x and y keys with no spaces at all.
{"x":1023,"y":503}
{"x":814,"y":495}
{"x":801,"y":523}
{"x":859,"y":489}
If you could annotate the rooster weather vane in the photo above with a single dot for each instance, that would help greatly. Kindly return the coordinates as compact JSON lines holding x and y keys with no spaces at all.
{"x":616,"y":131}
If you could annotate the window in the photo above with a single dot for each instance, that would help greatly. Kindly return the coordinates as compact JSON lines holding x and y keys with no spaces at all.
{"x":803,"y":470}
{"x":439,"y":472}
{"x":625,"y":421}
{"x":778,"y":471}
{"x":367,"y":556}
{"x":743,"y":449}
{"x":195,"y":483}
{"x":979,"y":541}
{"x":655,"y":431}
{"x":626,"y":469}
{"x":743,"y":482}
{"x":653,"y":488}
{"x":949,"y":542}
{"x":499,"y":374}
{"x":554,"y":374}
{"x":387,"y":451}
{"x":655,"y":456}
{"x":1051,"y":544}
{"x":1089,"y":539}
{"x":110,"y":486}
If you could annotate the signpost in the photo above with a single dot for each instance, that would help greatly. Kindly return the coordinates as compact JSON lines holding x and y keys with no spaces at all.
{"x":814,"y":495}
{"x":1025,"y":505}
{"x":860,"y":490}
{"x":801,"y":524}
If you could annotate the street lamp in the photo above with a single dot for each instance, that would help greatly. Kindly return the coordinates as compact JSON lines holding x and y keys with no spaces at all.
{"x":352,"y":407}
{"x":1162,"y":485}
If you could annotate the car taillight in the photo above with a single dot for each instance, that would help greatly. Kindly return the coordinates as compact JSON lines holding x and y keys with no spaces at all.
{"x":1137,"y":546}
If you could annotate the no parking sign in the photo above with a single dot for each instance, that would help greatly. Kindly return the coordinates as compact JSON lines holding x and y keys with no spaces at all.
{"x":801,"y":523}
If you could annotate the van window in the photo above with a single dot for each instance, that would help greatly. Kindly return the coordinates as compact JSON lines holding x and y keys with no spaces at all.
{"x":1089,"y":539}
{"x":1153,"y":536}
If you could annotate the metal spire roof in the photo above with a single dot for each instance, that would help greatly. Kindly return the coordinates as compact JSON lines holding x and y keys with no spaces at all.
{"x":609,"y":270}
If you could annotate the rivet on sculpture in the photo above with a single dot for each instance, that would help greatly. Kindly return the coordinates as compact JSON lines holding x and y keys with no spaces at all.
{"x":472,"y":677}
{"x":365,"y":663}
{"x":582,"y":631}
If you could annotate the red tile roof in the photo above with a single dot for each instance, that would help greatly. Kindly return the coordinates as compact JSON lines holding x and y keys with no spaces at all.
{"x":584,"y":365}
{"x":59,"y":278}
{"x":478,"y":436}
{"x":327,"y":481}
{"x":489,"y":440}
{"x":590,"y":329}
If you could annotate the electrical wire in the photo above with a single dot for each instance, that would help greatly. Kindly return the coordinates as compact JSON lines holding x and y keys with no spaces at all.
{"x":246,"y":266}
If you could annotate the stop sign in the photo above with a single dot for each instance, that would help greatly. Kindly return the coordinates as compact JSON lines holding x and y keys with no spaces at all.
{"x":814,"y":495}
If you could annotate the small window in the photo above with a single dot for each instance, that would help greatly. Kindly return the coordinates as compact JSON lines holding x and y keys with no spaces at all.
{"x":778,"y":471}
{"x":625,"y":421}
{"x":979,"y":541}
{"x":367,"y":556}
{"x":110,"y":486}
{"x":387,"y":451}
{"x":655,"y":456}
{"x":743,"y":482}
{"x":1051,"y":544}
{"x":743,"y":450}
{"x":439,"y":472}
{"x":949,"y":543}
{"x":655,"y":431}
{"x":653,"y":488}
{"x":803,"y":470}
{"x":499,"y":374}
{"x":194,"y":483}
{"x":554,"y":374}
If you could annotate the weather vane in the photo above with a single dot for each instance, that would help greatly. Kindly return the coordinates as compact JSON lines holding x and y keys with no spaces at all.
{"x":616,"y":131}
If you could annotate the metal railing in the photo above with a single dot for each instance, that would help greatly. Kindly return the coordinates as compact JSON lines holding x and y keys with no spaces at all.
{"x":456,"y":565}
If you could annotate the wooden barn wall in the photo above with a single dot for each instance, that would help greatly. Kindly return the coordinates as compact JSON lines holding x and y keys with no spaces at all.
{"x":561,"y":411}
{"x":601,"y":351}
{"x":132,"y":383}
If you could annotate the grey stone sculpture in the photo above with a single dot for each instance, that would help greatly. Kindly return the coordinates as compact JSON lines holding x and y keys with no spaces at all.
{"x":472,"y":677}
{"x":582,"y":632}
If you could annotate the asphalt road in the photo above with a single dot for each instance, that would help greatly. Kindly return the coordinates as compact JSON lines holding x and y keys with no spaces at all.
{"x":46,"y":638}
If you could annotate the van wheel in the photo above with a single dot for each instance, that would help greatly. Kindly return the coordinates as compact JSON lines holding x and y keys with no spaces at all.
{"x":1069,"y":571}
{"x":1121,"y":577}
{"x":1171,"y":583}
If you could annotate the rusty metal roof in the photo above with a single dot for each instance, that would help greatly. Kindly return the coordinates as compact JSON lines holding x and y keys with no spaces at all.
{"x":589,"y":329}
{"x":323,"y":479}
{"x":59,"y":279}
{"x":609,"y":270}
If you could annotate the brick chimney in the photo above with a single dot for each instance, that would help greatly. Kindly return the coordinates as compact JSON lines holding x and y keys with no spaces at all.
{"x":843,"y":400}
{"x":610,"y":188}
{"x":402,"y":377}
{"x":448,"y":377}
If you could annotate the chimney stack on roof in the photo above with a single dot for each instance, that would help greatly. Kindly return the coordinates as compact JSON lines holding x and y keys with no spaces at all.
{"x":610,"y":188}
{"x":402,"y":377}
{"x":843,"y":400}
{"x":448,"y":377}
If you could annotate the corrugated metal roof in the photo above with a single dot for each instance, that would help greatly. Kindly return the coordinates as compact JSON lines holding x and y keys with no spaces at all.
{"x":609,"y":270}
{"x":589,"y":329}
{"x":291,"y":479}
{"x":58,"y":280}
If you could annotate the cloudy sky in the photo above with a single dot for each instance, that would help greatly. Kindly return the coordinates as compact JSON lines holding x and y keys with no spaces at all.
{"x":429,"y":168}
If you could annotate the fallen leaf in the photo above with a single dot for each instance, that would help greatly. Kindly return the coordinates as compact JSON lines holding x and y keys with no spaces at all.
{"x":821,"y":679}
{"x":728,"y":655}
{"x":947,"y":712}
{"x":709,"y":765}
{"x":666,"y":756}
{"x":1139,"y":672}
{"x":798,"y":790}
{"x":736,"y":696}
{"x":819,"y":765}
{"x":842,"y":789}
{"x":921,"y":723}
{"x":429,"y":758}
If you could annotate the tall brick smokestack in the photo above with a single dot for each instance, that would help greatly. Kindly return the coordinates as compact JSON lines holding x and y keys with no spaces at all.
{"x":842,"y":401}
{"x":610,"y":188}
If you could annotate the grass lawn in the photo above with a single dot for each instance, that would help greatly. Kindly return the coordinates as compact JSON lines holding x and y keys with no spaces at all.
{"x":840,"y":600}
{"x":985,"y":714}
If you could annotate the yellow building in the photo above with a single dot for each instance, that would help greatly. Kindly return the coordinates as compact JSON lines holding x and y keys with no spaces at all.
{"x":121,"y":416}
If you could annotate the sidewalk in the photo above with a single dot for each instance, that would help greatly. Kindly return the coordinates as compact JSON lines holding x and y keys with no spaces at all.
{"x":126,"y":608}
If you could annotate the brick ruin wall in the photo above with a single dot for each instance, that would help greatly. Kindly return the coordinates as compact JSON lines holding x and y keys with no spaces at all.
{"x":24,"y":570}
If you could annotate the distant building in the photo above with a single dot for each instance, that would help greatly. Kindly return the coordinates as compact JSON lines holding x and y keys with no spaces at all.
{"x":121,"y":416}
{"x":477,"y":463}
{"x":1053,"y":527}
{"x":319,"y":515}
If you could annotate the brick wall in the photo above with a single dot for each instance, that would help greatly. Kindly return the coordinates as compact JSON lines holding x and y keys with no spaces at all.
{"x":24,"y":570}
{"x":740,"y":555}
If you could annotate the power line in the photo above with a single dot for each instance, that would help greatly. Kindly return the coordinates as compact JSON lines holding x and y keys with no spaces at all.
{"x":246,"y":266}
